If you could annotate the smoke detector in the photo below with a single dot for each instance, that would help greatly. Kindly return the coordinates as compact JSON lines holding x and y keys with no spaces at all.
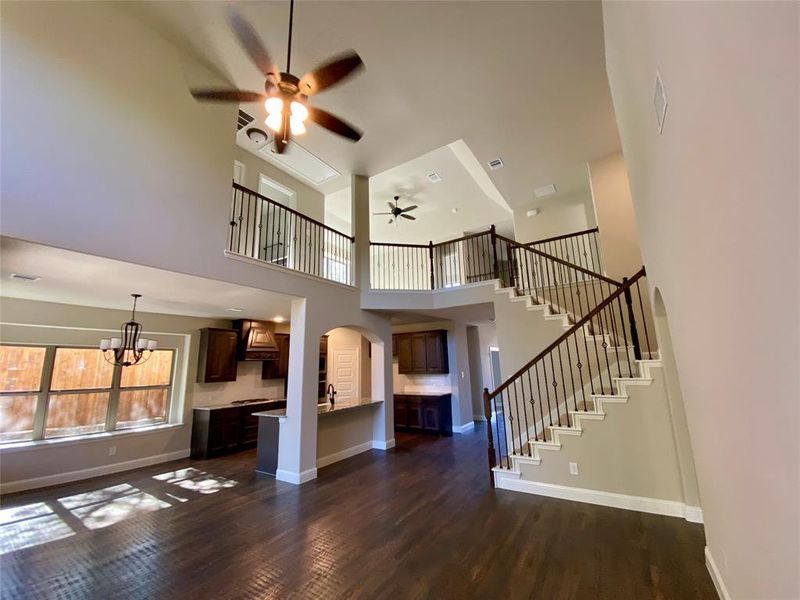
{"x":257,"y":136}
{"x":496,"y":163}
{"x":545,"y":190}
{"x":533,"y":212}
{"x":434,"y":177}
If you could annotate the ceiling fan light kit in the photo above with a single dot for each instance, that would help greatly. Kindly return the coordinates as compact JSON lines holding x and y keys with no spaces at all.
{"x":286,"y":96}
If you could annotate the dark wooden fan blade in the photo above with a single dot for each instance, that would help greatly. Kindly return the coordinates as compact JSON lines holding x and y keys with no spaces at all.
{"x":333,"y":123}
{"x":409,"y":208}
{"x":251,"y":43}
{"x":392,"y":206}
{"x":331,"y":73}
{"x":227,"y":96}
{"x":409,"y":217}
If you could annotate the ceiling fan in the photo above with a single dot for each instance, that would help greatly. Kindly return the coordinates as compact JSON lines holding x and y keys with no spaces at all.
{"x":285,"y":95}
{"x":398,"y":212}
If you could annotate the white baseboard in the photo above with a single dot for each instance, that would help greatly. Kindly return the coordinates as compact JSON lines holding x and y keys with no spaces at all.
{"x":464,"y":428}
{"x":715,"y":576}
{"x":295,"y":477}
{"x":654,"y":506}
{"x":693,"y":514}
{"x":69,"y":476}
{"x":381,"y":445}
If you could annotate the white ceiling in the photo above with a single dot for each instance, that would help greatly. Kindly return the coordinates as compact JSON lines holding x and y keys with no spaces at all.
{"x":524,"y":81}
{"x":75,"y":278}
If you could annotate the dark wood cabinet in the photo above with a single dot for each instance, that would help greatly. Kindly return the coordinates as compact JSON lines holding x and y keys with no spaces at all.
{"x":423,"y":413}
{"x":278,"y":368}
{"x":256,"y":339}
{"x":217,"y":355}
{"x":217,"y":431}
{"x":423,"y":352}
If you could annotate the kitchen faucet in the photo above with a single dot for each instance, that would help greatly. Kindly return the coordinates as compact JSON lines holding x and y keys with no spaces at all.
{"x":331,"y":393}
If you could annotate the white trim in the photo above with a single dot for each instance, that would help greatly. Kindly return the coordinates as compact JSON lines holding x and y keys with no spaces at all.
{"x":69,"y":476}
{"x":716,"y":577}
{"x":324,"y":461}
{"x":654,"y":506}
{"x":295,"y":477}
{"x":693,"y":514}
{"x":266,"y":265}
{"x":13,"y":447}
{"x":478,"y":418}
{"x":464,"y":428}
{"x":381,"y":445}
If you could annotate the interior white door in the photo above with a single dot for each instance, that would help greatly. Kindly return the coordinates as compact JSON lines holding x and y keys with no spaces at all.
{"x":346,"y":373}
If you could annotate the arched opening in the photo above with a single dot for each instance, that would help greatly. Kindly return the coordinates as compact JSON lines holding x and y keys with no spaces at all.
{"x":680,"y":428}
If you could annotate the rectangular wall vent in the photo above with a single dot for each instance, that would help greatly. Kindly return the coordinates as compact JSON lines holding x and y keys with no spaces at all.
{"x":299,"y":161}
{"x":495,"y":164}
{"x":545,"y":190}
{"x":434,"y":177}
{"x":21,"y":277}
{"x":243,"y":120}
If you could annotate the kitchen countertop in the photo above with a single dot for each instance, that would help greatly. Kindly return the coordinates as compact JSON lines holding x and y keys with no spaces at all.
{"x":231,"y":405}
{"x":324,"y":408}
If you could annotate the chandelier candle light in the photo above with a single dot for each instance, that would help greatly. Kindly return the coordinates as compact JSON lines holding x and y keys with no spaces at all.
{"x":130,"y":349}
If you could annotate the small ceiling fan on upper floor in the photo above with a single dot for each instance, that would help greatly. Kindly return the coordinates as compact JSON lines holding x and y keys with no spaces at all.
{"x":398,"y":212}
{"x":285,"y":95}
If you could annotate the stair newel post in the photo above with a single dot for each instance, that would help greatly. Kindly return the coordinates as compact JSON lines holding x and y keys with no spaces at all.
{"x":637,"y":350}
{"x":512,"y":275}
{"x":487,"y":411}
{"x":430,"y":259}
{"x":496,"y":266}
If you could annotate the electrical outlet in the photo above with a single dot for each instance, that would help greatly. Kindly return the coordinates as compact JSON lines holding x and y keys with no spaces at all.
{"x":462,"y":374}
{"x":573,"y":468}
{"x":112,"y":450}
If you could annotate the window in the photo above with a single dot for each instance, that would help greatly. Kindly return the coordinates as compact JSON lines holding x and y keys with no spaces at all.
{"x":335,"y":269}
{"x":49,"y":392}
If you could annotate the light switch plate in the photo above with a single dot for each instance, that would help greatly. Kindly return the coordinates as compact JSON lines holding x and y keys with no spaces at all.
{"x":573,"y":468}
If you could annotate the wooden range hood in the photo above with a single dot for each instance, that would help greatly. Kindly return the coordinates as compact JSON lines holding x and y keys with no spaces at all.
{"x":256,"y":340}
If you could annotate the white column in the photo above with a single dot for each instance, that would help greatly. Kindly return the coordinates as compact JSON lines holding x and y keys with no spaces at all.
{"x":382,"y":389}
{"x":297,"y":446}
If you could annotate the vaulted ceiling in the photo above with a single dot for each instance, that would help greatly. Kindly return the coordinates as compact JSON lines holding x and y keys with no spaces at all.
{"x":524,"y":81}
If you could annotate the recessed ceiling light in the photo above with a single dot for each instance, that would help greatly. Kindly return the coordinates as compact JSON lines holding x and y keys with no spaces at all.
{"x":532,"y":212}
{"x":278,"y":319}
{"x":434,"y":177}
{"x":455,"y":210}
{"x":21,"y":277}
{"x":497,"y":163}
{"x":545,"y":190}
{"x":235,"y":309}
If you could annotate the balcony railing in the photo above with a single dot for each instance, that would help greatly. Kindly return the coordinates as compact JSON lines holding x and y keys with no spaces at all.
{"x":581,"y":248}
{"x":268,"y":231}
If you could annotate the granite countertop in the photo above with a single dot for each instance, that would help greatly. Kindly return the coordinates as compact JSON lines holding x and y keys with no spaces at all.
{"x":247,"y":403}
{"x":324,"y":408}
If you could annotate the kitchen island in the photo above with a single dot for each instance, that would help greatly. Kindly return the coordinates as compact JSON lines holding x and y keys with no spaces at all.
{"x":345,"y":422}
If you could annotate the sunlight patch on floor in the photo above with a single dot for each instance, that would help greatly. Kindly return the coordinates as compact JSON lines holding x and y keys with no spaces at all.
{"x":196,"y":480}
{"x":101,"y":508}
{"x":30,"y":525}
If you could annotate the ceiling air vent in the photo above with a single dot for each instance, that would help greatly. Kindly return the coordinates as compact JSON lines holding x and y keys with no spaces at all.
{"x":21,"y":277}
{"x":243,"y":120}
{"x":434,"y":177}
{"x":495,"y":164}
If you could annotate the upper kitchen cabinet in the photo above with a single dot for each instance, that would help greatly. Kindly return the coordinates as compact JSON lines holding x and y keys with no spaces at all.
{"x":278,"y":368}
{"x":422,"y":352}
{"x":256,"y":340}
{"x":218,"y":349}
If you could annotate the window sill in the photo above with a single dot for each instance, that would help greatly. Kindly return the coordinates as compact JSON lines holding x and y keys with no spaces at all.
{"x":12,"y":447}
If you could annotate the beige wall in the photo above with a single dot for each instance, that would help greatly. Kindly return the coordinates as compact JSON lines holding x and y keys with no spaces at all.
{"x":345,"y":434}
{"x":716,"y":197}
{"x":613,"y":208}
{"x":310,"y":202}
{"x":557,"y":216}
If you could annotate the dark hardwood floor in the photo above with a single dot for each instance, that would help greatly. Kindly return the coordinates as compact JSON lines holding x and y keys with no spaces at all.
{"x":419,"y":521}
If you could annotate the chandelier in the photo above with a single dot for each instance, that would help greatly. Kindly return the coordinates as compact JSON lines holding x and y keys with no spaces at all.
{"x":129,"y":349}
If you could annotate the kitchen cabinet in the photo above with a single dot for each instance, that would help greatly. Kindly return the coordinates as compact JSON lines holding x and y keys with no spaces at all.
{"x":423,"y":352}
{"x":225,"y":429}
{"x":423,"y":413}
{"x":279,"y":367}
{"x":217,"y":362}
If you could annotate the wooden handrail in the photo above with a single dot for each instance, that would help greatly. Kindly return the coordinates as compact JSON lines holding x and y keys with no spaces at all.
{"x":245,"y":190}
{"x":563,"y":237}
{"x":594,"y":312}
{"x":561,"y":261}
{"x":398,"y":245}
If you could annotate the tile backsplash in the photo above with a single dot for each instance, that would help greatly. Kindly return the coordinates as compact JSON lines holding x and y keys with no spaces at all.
{"x":435,"y":384}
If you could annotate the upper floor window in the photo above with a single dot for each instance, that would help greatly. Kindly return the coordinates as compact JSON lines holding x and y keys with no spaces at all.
{"x":50,"y":392}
